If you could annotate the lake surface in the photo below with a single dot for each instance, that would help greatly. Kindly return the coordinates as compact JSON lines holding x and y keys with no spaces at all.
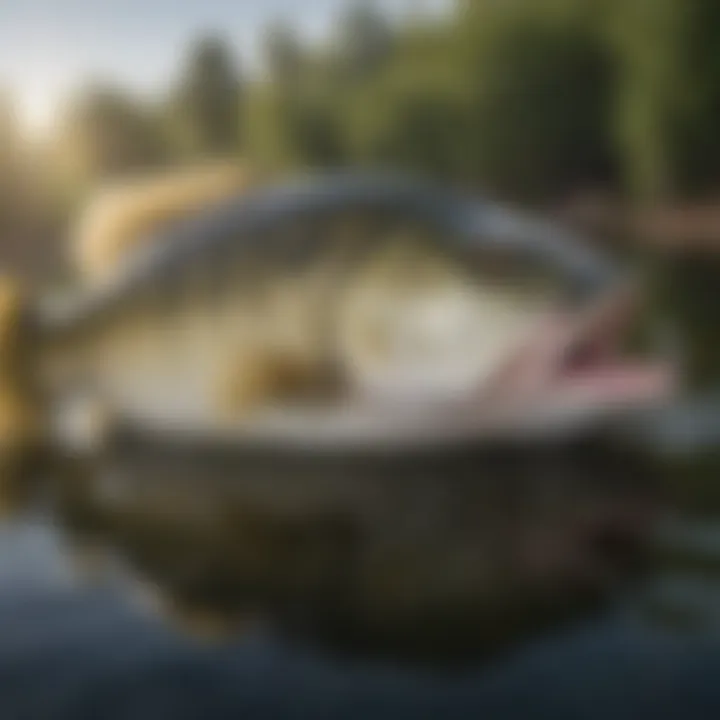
{"x":74,"y":650}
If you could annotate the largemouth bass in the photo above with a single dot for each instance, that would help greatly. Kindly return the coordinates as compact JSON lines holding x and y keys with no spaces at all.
{"x":347,"y":309}
{"x":351,"y":313}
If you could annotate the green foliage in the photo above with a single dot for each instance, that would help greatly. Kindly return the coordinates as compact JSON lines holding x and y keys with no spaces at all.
{"x":9,"y":159}
{"x":269,"y":128}
{"x":689,"y":292}
{"x":514,"y":98}
{"x":412,"y":115}
{"x":669,"y":94}
{"x":530,"y":99}
{"x":364,"y":41}
{"x":283,"y":56}
{"x":541,"y":88}
{"x":207,"y":101}
{"x":108,"y":133}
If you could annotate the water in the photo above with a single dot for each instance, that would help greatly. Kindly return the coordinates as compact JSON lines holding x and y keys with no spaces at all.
{"x":85,"y":640}
{"x":79,"y":644}
{"x":71,"y":650}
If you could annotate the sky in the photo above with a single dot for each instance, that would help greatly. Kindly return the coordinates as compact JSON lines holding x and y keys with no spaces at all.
{"x":48,"y":48}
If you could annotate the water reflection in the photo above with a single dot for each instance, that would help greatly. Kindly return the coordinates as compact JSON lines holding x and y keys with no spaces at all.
{"x":34,"y":557}
{"x":434,"y":556}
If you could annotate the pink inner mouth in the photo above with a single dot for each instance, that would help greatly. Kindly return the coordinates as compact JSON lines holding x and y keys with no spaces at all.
{"x":578,"y":362}
{"x":612,"y":379}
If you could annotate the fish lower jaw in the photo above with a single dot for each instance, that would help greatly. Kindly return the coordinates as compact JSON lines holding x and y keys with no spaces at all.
{"x":382,"y":423}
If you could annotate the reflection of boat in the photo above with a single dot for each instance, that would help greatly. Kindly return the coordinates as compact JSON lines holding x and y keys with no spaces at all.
{"x":429,"y":554}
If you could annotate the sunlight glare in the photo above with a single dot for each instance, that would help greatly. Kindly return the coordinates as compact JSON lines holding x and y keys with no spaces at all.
{"x":37,"y":111}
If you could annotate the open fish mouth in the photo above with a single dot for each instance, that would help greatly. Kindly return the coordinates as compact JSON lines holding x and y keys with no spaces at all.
{"x":571,"y":371}
{"x":576,"y":365}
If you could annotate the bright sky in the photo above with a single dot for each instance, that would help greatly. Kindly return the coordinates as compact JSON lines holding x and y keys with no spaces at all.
{"x":50,"y":47}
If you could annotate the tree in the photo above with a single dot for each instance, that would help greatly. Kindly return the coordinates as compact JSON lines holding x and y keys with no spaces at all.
{"x":107,"y":133}
{"x":669,"y":94}
{"x":539,"y":87}
{"x":363,"y":40}
{"x":283,"y":56}
{"x":412,"y":114}
{"x":293,"y":116}
{"x":207,"y":102}
{"x":9,"y":149}
{"x":513,"y":97}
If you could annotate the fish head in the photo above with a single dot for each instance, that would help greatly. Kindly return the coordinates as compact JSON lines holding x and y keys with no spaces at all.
{"x":521,"y":329}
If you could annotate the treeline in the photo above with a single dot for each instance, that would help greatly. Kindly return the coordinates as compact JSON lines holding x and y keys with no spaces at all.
{"x":527,"y":99}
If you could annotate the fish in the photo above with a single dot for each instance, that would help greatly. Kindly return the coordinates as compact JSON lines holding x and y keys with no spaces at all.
{"x":400,"y":381}
{"x":345,"y":309}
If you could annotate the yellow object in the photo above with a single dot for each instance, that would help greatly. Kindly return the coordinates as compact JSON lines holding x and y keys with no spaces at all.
{"x":19,"y":413}
{"x":257,"y":377}
{"x":123,"y":217}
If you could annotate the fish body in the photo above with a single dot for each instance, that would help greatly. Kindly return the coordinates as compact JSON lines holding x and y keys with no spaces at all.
{"x":343,"y":309}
